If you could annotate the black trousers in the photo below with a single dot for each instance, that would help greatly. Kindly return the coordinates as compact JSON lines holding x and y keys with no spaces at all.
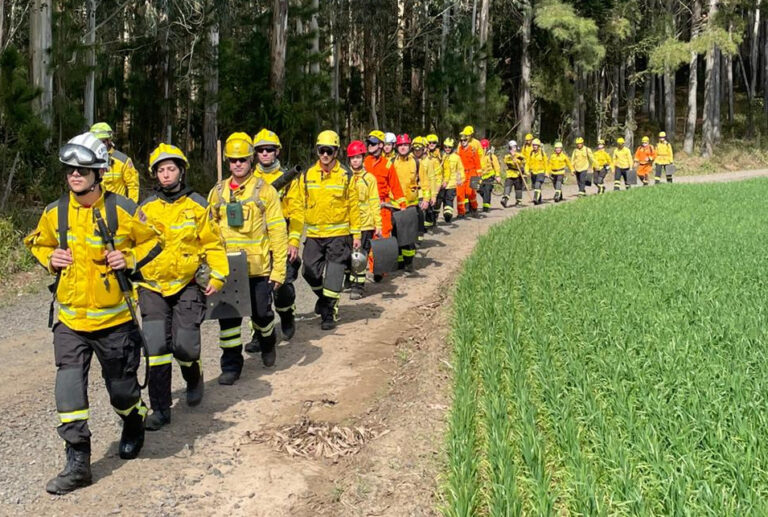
{"x":557,"y":183}
{"x":366,"y":236}
{"x":517,"y":184}
{"x":486,"y":192}
{"x":445,"y":199}
{"x":118,"y":350}
{"x":171,"y":327}
{"x":285,"y":295}
{"x":325,"y":260}
{"x":581,"y":180}
{"x":262,"y":320}
{"x":618,"y":174}
{"x":538,"y":182}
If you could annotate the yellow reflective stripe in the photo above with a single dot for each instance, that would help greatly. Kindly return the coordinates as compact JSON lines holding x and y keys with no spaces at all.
{"x":330,"y":294}
{"x":73,"y":416}
{"x":108,"y":311}
{"x":265,"y":331}
{"x":334,"y":187}
{"x":234,"y":331}
{"x":157,"y":360}
{"x":138,"y":405}
{"x":275,"y":221}
{"x":230,"y":343}
{"x":186,"y":364}
{"x":244,"y":242}
{"x":185,"y":224}
{"x":67,"y":310}
{"x":409,"y":253}
{"x":217,"y":275}
{"x":294,"y":235}
{"x":285,"y":309}
{"x":313,"y":186}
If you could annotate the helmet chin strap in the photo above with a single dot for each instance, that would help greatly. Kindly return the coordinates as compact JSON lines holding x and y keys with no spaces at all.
{"x":90,"y":189}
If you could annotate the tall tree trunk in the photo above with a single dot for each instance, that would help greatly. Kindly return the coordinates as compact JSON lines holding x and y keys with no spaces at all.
{"x":314,"y":68}
{"x":90,"y":78}
{"x":754,"y":46}
{"x":647,"y":98}
{"x":444,"y":31}
{"x":629,"y":121}
{"x":765,"y":66}
{"x":524,"y":100}
{"x":278,"y":44}
{"x":652,"y":98}
{"x":728,"y":66}
{"x":211,"y":114}
{"x":693,"y":77}
{"x":483,"y":66}
{"x":616,"y":96}
{"x":669,"y":103}
{"x":710,"y":95}
{"x":717,"y":95}
{"x":40,"y":37}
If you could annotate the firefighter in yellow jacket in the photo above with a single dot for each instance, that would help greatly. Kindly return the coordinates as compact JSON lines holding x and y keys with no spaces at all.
{"x":122,"y":177}
{"x":665,"y":159}
{"x":432,"y":171}
{"x":267,"y":146}
{"x":622,"y":163}
{"x":527,"y":146}
{"x":433,"y":146}
{"x":248,"y":211}
{"x":93,"y":315}
{"x":558,"y":163}
{"x":171,"y":298}
{"x":583,"y":161}
{"x":415,"y":185}
{"x":453,"y":176}
{"x":537,"y":166}
{"x":514,"y":163}
{"x":603,"y":165}
{"x":490,"y":175}
{"x":370,"y":214}
{"x":332,"y":223}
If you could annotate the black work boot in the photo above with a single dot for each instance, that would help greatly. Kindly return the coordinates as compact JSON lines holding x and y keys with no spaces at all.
{"x":195,"y":392}
{"x":328,"y":323}
{"x":253,"y":346}
{"x":268,"y":355}
{"x":356,"y":293}
{"x":228,"y":378}
{"x":504,"y":201}
{"x":157,"y":419}
{"x":76,"y":473}
{"x":132,"y":437}
{"x":287,"y":324}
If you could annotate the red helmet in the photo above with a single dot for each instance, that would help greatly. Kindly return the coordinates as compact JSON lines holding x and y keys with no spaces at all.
{"x":355,"y":148}
{"x":485,"y":143}
{"x":403,"y":139}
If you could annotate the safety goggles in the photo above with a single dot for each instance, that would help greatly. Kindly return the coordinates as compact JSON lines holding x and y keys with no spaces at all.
{"x":372,"y":141}
{"x":82,"y":155}
{"x":238,"y":160}
{"x":329,"y":151}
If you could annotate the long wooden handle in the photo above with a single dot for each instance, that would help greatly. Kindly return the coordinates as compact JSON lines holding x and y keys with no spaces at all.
{"x":218,"y":160}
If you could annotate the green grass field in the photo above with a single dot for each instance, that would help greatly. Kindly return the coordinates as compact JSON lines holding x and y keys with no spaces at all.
{"x":610,"y":358}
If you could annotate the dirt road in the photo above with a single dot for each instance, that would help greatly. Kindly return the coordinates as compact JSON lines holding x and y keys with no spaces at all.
{"x":386,"y":367}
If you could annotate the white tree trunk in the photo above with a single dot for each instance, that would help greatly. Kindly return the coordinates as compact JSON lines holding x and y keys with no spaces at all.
{"x":524,"y":101}
{"x":629,"y":122}
{"x":40,"y":42}
{"x":690,"y":125}
{"x":90,"y":78}
{"x":616,"y":96}
{"x":314,"y":68}
{"x":717,"y":80}
{"x":483,"y":65}
{"x":754,"y":46}
{"x":277,"y":47}
{"x":710,"y":96}
{"x":211,"y":114}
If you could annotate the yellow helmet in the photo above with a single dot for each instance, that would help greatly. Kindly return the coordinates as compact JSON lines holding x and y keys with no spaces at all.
{"x":266,"y":137}
{"x":239,"y":145}
{"x":600,"y":141}
{"x":166,"y":152}
{"x":467,"y":131}
{"x":662,"y":134}
{"x":433,"y":139}
{"x":558,"y":144}
{"x":377,"y":134}
{"x":449,"y":142}
{"x":620,"y":140}
{"x":101,"y":130}
{"x":579,"y":140}
{"x":419,"y":141}
{"x":528,"y":136}
{"x":645,"y":140}
{"x":329,"y":138}
{"x":536,"y":141}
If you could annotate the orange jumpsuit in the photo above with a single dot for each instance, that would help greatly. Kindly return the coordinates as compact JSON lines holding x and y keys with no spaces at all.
{"x":644,"y":156}
{"x":388,"y":184}
{"x":472,"y":167}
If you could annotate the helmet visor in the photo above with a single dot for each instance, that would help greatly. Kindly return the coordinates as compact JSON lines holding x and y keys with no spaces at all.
{"x":73,"y":154}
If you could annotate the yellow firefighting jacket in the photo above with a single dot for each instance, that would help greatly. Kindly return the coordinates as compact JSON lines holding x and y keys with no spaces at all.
{"x":435,"y":153}
{"x":329,"y":201}
{"x":558,"y":163}
{"x":515,"y":165}
{"x":526,"y":151}
{"x":368,"y":200}
{"x":88,"y":293}
{"x":602,"y":159}
{"x":536,"y":162}
{"x":664,"y":155}
{"x":453,"y":170}
{"x":121,"y":177}
{"x":622,"y":158}
{"x":291,"y":204}
{"x":435,"y":175}
{"x":582,"y":159}
{"x":191,"y":236}
{"x":413,"y":178}
{"x":475,"y":144}
{"x":491,"y":166}
{"x":263,"y":235}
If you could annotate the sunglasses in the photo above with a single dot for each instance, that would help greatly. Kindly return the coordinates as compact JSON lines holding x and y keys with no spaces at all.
{"x":266,"y":149}
{"x":372,"y":142}
{"x":80,"y":170}
{"x":329,"y":151}
{"x":238,"y":160}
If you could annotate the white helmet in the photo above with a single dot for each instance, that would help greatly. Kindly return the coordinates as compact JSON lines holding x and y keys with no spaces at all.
{"x":85,"y":151}
{"x":512,"y":143}
{"x":390,"y":138}
{"x":359,"y":262}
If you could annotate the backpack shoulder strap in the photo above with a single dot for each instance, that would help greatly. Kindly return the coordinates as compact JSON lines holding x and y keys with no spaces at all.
{"x":63,"y":215}
{"x":110,"y":206}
